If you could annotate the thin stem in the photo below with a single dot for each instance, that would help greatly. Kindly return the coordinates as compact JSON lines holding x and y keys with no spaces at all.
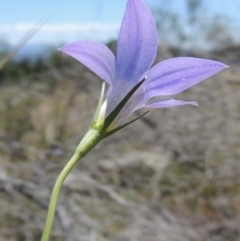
{"x":91,"y":139}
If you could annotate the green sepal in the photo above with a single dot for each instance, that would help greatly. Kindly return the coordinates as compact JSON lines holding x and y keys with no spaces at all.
{"x":100,"y":101}
{"x":122,"y":126}
{"x":110,"y":118}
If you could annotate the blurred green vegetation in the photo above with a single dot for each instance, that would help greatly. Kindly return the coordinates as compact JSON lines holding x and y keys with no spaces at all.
{"x":16,"y":70}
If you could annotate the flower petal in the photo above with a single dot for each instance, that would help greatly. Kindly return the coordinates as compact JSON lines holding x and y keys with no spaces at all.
{"x":137,"y":43}
{"x":175,"y":75}
{"x":169,"y":103}
{"x":96,"y":56}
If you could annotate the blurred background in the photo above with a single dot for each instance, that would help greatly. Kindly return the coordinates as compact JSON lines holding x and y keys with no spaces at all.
{"x":174,"y":175}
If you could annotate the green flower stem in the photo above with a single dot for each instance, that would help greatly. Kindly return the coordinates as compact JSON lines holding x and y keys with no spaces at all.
{"x":90,"y":140}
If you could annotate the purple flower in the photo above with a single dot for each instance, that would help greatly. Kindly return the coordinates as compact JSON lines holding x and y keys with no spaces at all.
{"x":136,"y":51}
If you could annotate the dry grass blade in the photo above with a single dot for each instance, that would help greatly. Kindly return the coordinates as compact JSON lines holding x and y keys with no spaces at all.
{"x":22,"y":42}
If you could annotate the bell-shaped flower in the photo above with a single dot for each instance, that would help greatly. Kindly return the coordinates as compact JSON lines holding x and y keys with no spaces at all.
{"x":133,"y":84}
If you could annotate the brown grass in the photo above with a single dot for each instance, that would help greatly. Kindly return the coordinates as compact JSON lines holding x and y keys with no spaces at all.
{"x":173,"y":175}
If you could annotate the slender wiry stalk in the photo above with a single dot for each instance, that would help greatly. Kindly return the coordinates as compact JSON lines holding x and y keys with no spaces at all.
{"x":90,"y":140}
{"x":22,"y":42}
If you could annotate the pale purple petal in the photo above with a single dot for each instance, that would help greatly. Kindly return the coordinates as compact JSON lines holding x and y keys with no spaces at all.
{"x":175,"y":75}
{"x":169,"y":103}
{"x":96,"y":56}
{"x":136,"y":103}
{"x":137,"y":43}
{"x":171,"y":77}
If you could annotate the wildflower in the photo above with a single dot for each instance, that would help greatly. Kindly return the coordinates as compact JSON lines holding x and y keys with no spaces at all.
{"x":132,"y":83}
{"x":136,"y":51}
